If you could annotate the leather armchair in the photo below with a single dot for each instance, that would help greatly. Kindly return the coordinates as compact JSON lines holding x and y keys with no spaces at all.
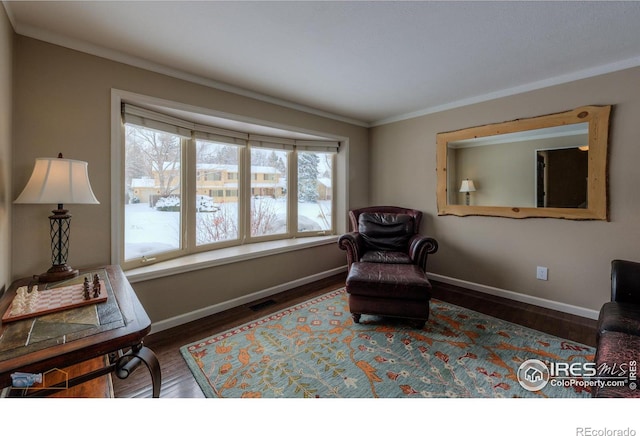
{"x":387,"y":234}
{"x":625,"y":281}
{"x":618,"y":330}
{"x":622,"y":313}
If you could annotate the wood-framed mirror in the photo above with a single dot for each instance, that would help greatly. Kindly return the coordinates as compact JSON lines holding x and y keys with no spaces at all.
{"x":552,"y":166}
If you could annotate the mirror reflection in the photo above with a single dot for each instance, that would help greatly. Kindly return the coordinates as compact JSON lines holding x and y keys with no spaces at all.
{"x":552,"y":166}
{"x":536,"y":168}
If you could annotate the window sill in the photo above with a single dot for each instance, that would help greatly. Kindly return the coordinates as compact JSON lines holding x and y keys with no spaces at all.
{"x":224,"y":256}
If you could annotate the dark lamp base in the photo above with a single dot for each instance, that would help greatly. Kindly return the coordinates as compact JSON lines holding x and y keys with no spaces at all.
{"x":57,"y":273}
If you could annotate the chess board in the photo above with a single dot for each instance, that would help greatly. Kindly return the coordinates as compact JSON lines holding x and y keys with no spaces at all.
{"x":55,"y":300}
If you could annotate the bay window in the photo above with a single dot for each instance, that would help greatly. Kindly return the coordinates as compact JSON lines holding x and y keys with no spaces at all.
{"x":191,"y":187}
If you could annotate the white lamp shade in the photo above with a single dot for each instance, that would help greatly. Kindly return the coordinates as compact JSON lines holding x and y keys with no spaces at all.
{"x":467,"y":186}
{"x":58,"y":181}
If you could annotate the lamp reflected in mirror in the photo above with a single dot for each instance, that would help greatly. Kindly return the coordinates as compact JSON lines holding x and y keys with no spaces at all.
{"x":467,"y":186}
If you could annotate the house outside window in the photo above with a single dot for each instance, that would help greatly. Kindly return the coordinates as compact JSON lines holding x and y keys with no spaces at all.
{"x":217,"y":216}
{"x":190,"y":188}
{"x":269,"y":204}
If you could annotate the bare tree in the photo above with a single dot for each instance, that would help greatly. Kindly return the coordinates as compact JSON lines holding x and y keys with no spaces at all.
{"x":213,"y":152}
{"x":215,"y":226}
{"x":150,"y":152}
{"x":263,"y":216}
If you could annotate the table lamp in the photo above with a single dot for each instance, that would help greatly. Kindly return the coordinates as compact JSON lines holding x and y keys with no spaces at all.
{"x":58,"y":181}
{"x":466,"y":187}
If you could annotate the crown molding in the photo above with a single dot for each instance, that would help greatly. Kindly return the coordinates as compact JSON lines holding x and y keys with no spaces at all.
{"x":123,"y":58}
{"x":557,"y":80}
{"x":117,"y":56}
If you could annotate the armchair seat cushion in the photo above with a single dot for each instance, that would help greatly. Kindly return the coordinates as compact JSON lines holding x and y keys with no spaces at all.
{"x":619,"y":317}
{"x":382,"y":256}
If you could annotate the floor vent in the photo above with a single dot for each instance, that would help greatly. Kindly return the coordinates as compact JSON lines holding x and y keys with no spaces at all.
{"x":262,"y":305}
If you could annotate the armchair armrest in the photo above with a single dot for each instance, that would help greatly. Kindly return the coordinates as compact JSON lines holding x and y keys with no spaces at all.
{"x":352,"y":243}
{"x":625,"y":281}
{"x":420,"y":247}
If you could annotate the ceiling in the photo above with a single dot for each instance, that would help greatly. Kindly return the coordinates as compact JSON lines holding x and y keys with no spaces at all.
{"x":363,"y":62}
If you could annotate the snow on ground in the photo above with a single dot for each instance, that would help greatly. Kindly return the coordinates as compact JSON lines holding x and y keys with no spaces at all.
{"x":149,"y":232}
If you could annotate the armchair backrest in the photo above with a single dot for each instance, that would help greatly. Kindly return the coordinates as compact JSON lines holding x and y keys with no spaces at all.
{"x":386,"y":231}
{"x":625,"y":281}
{"x":354,"y":215}
{"x":386,"y":228}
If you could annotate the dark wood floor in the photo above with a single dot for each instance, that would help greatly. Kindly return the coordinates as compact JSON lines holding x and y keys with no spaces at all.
{"x":177,"y":381}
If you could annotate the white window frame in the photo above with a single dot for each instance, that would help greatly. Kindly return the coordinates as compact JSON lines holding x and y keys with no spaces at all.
{"x":339,"y":196}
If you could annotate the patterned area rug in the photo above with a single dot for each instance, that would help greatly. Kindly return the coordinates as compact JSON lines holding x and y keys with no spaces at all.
{"x":315,"y":350}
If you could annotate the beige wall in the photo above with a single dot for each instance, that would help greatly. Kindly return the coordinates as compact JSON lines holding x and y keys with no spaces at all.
{"x":503,"y":253}
{"x":168,"y":297}
{"x":62,"y":104}
{"x":6,"y":66}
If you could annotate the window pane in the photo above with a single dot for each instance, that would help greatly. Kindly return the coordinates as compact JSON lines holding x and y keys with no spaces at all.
{"x":314,"y":191}
{"x":216,"y":192}
{"x":268,"y":192}
{"x":152,"y":200}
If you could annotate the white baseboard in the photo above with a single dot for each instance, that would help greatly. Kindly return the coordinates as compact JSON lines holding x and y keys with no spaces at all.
{"x":523,"y":298}
{"x":216,"y":308}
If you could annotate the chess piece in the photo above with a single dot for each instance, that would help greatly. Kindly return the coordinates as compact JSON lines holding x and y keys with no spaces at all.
{"x":85,"y":285}
{"x":19,"y":302}
{"x":32,"y":300}
{"x":96,"y":286}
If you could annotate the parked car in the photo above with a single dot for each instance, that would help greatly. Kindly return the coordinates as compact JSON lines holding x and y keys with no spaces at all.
{"x":168,"y":204}
{"x":204,"y":203}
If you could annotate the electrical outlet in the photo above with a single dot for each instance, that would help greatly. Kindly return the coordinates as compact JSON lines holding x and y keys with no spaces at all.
{"x":541,"y":273}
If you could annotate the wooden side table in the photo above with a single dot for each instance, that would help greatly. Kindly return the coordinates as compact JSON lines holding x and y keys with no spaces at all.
{"x":115,"y":328}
